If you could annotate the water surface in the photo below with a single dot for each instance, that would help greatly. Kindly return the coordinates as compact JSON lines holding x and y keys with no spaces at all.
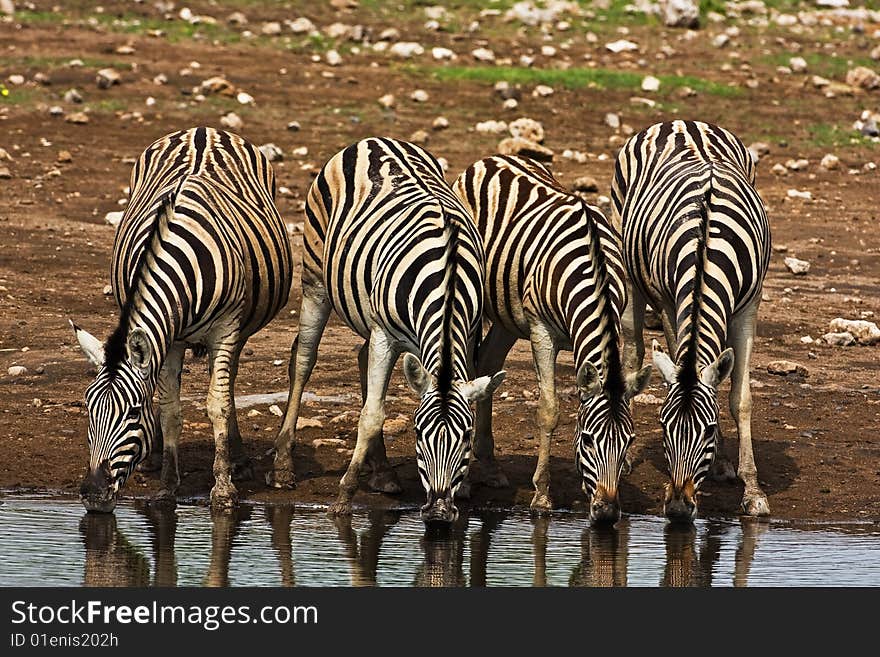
{"x":51,"y":542}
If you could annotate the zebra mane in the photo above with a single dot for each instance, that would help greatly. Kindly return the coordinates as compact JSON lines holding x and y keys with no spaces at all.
{"x":687,"y":372}
{"x":446,"y":370}
{"x":116,"y":347}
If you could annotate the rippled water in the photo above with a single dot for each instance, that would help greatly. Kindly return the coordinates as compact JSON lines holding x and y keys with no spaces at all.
{"x":50,"y":542}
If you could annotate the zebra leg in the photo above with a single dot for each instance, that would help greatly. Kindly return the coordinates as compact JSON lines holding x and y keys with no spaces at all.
{"x":242,"y":469}
{"x":490,"y":359}
{"x":170,"y":421}
{"x":633,"y":325}
{"x":383,"y":479}
{"x":219,"y":404}
{"x":544,"y":352}
{"x":313,"y":315}
{"x":742,"y":329}
{"x":380,"y":364}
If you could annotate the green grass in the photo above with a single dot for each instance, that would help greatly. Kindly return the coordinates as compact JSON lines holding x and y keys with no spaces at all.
{"x":573,"y":78}
{"x":826,"y":135}
{"x":17,"y":95}
{"x":822,"y":63}
{"x":107,"y":105}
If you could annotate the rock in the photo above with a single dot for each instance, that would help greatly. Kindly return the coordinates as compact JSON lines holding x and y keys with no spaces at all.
{"x":419,"y":96}
{"x":275,"y":409}
{"x":797,"y":267}
{"x":272,"y":152}
{"x":327,"y":442}
{"x":830,"y":162}
{"x":785,"y":368}
{"x":647,"y":398}
{"x":396,"y":425}
{"x":72,"y":96}
{"x":680,"y":13}
{"x":64,"y":156}
{"x":758,"y":150}
{"x":804,"y":195}
{"x":612,"y":121}
{"x":721,"y":40}
{"x":272,"y":28}
{"x":333,"y":58}
{"x":510,"y":103}
{"x":542,"y":91}
{"x":5,"y":174}
{"x":113,"y":218}
{"x":491,"y":127}
{"x":107,"y":290}
{"x":406,"y":49}
{"x":440,"y":123}
{"x":585,"y":184}
{"x":236,"y":18}
{"x":520,"y":146}
{"x":217,"y":85}
{"x":307,"y":423}
{"x":820,"y":82}
{"x":621,"y":45}
{"x":56,"y":110}
{"x":779,"y":170}
{"x":301,"y":26}
{"x":244,"y":98}
{"x":232,"y":121}
{"x":389,"y":34}
{"x":875,"y":53}
{"x":15,"y":79}
{"x":419,"y":137}
{"x":863,"y":77}
{"x":483,"y":55}
{"x":294,"y":126}
{"x":345,"y":416}
{"x":77,"y":117}
{"x":839,"y":339}
{"x":17,"y":370}
{"x":650,"y":83}
{"x":797,"y":65}
{"x":300,"y":151}
{"x":7,"y":7}
{"x":797,"y":165}
{"x":863,"y":331}
{"x":388,"y":101}
{"x":441,"y":54}
{"x":42,"y":78}
{"x":253,"y":413}
{"x":107,"y":77}
{"x":528,"y":129}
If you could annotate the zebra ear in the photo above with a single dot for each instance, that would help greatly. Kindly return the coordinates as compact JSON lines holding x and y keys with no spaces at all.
{"x":416,"y":376}
{"x":91,"y":346}
{"x":663,"y":363}
{"x":635,"y":383}
{"x":139,"y":349}
{"x":719,"y":370}
{"x":589,"y":382}
{"x":482,"y":387}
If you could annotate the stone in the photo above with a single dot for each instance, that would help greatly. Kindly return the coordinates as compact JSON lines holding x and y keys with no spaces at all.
{"x":275,"y":409}
{"x":520,"y":146}
{"x":875,"y":53}
{"x":758,"y":150}
{"x":647,"y":398}
{"x":440,"y":123}
{"x":483,"y":55}
{"x":217,"y":85}
{"x":272,"y":28}
{"x":650,"y":83}
{"x":779,"y":170}
{"x":72,"y":96}
{"x":510,"y":104}
{"x":301,"y":26}
{"x":863,"y":331}
{"x":333,"y":58}
{"x":17,"y":370}
{"x":107,"y":77}
{"x":491,"y":127}
{"x":830,"y":162}
{"x":585,"y":184}
{"x":305,"y":422}
{"x":527,"y":129}
{"x":300,"y":151}
{"x":107,"y":290}
{"x":612,"y":121}
{"x":327,"y":442}
{"x":419,"y":137}
{"x":542,"y":91}
{"x":621,"y":45}
{"x":863,"y":77}
{"x":785,"y":368}
{"x":797,"y":165}
{"x":7,"y":7}
{"x":388,"y":101}
{"x":244,"y":98}
{"x":797,"y":65}
{"x":77,"y":118}
{"x":419,"y":96}
{"x":272,"y":152}
{"x":680,"y":13}
{"x":803,"y":195}
{"x":406,"y":49}
{"x":294,"y":126}
{"x":819,"y":82}
{"x":56,"y":110}
{"x":42,"y":78}
{"x":839,"y":339}
{"x":64,"y":156}
{"x":395,"y":426}
{"x":236,"y":18}
{"x":720,"y":40}
{"x":113,"y":218}
{"x":441,"y":54}
{"x":796,"y":266}
{"x":232,"y":121}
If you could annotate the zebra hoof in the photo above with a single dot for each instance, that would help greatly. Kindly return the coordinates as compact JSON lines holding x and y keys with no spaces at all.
{"x":723,"y":470}
{"x":541,"y":504}
{"x":755,"y":504}
{"x":385,"y":481}
{"x":224,"y":498}
{"x":339,"y":509}
{"x":280,"y":479}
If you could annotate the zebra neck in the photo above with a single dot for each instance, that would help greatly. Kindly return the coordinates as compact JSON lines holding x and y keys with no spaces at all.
{"x":160,"y":333}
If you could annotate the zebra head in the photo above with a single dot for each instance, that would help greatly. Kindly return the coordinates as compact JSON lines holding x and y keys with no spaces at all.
{"x":603,"y":433}
{"x":122,"y":425}
{"x":689,"y":418}
{"x":444,"y":427}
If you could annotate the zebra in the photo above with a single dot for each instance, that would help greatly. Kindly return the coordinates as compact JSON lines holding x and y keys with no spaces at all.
{"x":390,"y":248}
{"x":201,"y":260}
{"x":697,"y":246}
{"x":554,"y":276}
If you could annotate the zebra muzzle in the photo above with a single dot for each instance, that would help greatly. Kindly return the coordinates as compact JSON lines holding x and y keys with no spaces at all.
{"x":439,"y":509}
{"x":680,"y":503}
{"x":96,"y":491}
{"x":604,"y":507}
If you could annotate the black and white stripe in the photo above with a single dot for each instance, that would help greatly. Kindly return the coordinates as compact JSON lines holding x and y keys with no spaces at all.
{"x":389,"y":247}
{"x":201,"y":259}
{"x":696,"y":246}
{"x":554,"y":276}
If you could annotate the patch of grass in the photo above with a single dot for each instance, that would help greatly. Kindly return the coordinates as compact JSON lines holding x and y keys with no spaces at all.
{"x":822,"y":63}
{"x":573,"y":78}
{"x":32,"y":61}
{"x":17,"y":95}
{"x":827,"y":135}
{"x":107,"y":105}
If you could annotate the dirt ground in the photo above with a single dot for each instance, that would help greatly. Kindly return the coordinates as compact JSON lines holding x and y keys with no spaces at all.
{"x":816,"y":437}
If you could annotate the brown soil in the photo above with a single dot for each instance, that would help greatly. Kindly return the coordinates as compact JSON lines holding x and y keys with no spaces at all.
{"x":816,"y":441}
